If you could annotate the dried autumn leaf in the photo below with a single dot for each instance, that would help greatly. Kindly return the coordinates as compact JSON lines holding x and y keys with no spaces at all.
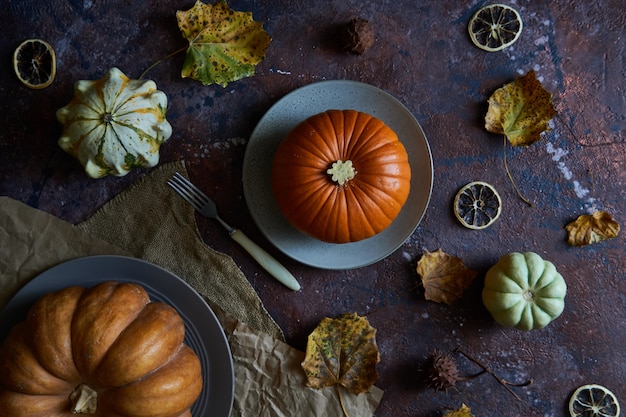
{"x":464,"y":411}
{"x":444,"y":276}
{"x":520,"y":110}
{"x":224,"y":45}
{"x":588,"y":229}
{"x":342,"y":351}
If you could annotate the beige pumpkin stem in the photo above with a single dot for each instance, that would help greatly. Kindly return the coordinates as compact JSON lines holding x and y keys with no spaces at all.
{"x":84,"y":400}
{"x":341,"y":172}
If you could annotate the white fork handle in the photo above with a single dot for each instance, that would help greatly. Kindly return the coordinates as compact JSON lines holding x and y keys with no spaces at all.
{"x":266,"y":260}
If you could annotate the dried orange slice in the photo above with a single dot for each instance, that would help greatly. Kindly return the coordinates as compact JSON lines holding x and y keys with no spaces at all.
{"x":494,"y":27}
{"x":593,"y":401}
{"x":477,"y":205}
{"x":34,"y":63}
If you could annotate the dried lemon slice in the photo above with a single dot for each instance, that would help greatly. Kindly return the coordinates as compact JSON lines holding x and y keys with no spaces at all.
{"x":593,"y":401}
{"x":495,"y":27}
{"x":34,"y":63}
{"x":477,"y":205}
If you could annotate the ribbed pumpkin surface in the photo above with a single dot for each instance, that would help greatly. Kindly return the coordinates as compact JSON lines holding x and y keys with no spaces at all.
{"x":111,"y":338}
{"x":363,"y":206}
{"x":524,"y":291}
{"x":114,"y":124}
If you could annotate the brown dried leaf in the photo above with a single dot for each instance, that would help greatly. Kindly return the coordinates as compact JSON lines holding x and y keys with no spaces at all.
{"x":588,"y":229}
{"x":521,"y":110}
{"x":444,"y":276}
{"x":464,"y":411}
{"x":342,"y":351}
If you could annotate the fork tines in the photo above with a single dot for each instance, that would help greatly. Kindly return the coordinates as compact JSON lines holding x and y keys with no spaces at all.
{"x":188,"y":191}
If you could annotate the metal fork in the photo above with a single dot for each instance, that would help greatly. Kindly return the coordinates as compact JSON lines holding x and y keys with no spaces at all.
{"x":205,"y":206}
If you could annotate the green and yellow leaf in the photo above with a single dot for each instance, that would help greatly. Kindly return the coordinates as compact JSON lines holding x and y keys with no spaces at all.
{"x":521,"y":110}
{"x":224,"y":45}
{"x":342,"y":351}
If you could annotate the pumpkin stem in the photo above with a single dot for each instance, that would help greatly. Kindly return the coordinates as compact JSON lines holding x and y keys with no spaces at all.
{"x":84,"y":400}
{"x":107,"y":118}
{"x":341,"y":172}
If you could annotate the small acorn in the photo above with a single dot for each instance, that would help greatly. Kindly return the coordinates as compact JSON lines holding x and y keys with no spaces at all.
{"x":358,"y":36}
{"x":441,"y":372}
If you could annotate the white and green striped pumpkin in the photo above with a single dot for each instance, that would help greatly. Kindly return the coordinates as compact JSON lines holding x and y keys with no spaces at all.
{"x":524,"y":291}
{"x":114,"y":124}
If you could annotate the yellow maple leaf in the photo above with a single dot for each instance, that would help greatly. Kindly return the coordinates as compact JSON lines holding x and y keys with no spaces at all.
{"x":342,"y":351}
{"x":588,"y":229}
{"x":464,"y":411}
{"x":520,"y":110}
{"x":444,"y":276}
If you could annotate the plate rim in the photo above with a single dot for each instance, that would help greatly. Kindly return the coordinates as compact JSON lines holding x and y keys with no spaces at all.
{"x":399,"y":240}
{"x":44,"y":282}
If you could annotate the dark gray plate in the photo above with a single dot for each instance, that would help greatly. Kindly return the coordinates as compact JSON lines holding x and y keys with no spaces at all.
{"x":284,"y":116}
{"x":203,"y":332}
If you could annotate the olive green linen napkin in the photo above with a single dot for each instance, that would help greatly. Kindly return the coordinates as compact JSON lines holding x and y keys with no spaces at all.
{"x":150,"y":222}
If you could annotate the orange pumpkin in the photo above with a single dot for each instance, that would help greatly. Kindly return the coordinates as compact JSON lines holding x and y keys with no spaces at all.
{"x":341,"y":176}
{"x":105,"y":352}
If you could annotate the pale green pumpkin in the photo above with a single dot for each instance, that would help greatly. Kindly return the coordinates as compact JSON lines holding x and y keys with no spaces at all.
{"x":114,"y":124}
{"x":524,"y":291}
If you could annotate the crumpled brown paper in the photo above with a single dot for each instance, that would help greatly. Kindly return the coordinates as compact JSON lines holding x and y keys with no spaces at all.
{"x":32,"y":241}
{"x":274,"y":386}
{"x":268,"y":378}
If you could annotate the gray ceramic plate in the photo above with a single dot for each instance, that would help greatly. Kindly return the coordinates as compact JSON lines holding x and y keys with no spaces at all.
{"x":203,"y":332}
{"x":284,"y":116}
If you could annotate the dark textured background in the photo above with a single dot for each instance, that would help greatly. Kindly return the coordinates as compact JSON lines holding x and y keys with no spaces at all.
{"x":424,"y":57}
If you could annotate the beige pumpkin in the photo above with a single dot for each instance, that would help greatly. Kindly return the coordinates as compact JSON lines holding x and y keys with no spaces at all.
{"x":524,"y":291}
